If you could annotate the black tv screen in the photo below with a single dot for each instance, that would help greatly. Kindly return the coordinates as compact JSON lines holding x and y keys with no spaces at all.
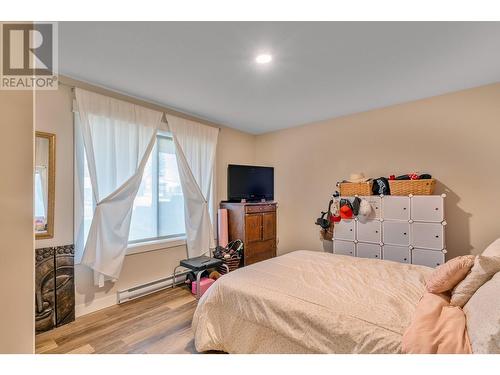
{"x":250,"y":182}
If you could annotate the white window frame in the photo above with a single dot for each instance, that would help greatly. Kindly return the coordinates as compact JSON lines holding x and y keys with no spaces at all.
{"x":144,"y":247}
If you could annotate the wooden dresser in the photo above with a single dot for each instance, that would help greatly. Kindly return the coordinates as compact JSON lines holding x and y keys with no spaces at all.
{"x":255,"y":224}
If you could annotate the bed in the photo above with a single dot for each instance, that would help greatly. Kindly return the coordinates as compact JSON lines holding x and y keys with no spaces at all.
{"x":310,"y":302}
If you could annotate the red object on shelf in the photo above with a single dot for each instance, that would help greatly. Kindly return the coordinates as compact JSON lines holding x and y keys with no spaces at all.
{"x":345,"y":212}
{"x":414,"y":176}
{"x":335,"y":219}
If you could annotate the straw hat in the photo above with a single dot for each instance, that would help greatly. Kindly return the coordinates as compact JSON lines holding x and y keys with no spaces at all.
{"x":357,"y":177}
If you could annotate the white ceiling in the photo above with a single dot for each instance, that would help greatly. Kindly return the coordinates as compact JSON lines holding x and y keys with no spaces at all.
{"x":320,"y":70}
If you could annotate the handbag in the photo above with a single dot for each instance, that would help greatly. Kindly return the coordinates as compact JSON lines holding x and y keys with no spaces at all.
{"x":321,"y":221}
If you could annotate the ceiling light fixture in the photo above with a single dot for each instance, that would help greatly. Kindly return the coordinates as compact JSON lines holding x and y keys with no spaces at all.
{"x":264,"y":58}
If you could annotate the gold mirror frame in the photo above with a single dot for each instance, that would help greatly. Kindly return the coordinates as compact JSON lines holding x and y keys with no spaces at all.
{"x":51,"y":185}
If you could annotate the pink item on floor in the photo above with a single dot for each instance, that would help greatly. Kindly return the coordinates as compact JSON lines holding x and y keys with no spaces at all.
{"x":222,"y":226}
{"x":205,"y":283}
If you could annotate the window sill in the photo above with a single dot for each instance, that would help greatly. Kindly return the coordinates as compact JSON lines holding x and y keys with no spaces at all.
{"x":144,"y":247}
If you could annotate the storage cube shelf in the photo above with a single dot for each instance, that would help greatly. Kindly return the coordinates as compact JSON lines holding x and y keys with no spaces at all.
{"x":401,"y":229}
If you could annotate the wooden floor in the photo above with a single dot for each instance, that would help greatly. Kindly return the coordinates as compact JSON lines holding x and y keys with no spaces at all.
{"x":157,"y":323}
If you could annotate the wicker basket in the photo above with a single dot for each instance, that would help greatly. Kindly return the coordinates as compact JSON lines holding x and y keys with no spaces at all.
{"x":415,"y":187}
{"x":233,"y":263}
{"x":349,"y":189}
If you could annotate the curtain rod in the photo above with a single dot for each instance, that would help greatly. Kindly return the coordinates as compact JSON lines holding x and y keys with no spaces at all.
{"x":73,"y":83}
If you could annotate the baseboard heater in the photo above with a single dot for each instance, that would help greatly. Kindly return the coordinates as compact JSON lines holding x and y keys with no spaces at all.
{"x":151,"y":287}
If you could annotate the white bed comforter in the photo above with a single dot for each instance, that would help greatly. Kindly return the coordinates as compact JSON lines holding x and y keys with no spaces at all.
{"x":310,"y":302}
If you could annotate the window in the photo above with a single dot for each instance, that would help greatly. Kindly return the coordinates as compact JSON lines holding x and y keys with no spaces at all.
{"x":159,"y":205}
{"x":158,"y":211}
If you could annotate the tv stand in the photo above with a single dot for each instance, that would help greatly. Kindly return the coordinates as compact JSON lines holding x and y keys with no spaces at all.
{"x":255,"y":224}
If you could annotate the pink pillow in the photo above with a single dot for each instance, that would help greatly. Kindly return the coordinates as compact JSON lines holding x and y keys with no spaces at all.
{"x":436,"y":327}
{"x":448,"y":275}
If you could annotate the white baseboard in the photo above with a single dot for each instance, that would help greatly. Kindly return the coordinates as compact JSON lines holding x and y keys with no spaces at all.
{"x":95,"y":305}
{"x":127,"y":295}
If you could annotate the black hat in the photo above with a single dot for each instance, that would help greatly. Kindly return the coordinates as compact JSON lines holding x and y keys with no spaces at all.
{"x":381,"y":186}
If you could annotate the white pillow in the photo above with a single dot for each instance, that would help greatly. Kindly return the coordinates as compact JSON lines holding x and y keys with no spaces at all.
{"x":483,"y":317}
{"x":493,"y":250}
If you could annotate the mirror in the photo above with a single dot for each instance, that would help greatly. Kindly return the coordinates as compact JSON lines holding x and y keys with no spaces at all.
{"x":44,"y":188}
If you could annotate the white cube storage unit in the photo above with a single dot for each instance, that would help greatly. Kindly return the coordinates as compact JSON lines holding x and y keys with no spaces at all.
{"x":427,"y":208}
{"x":427,"y":235}
{"x":344,"y":230}
{"x":401,"y":229}
{"x":368,"y":250}
{"x":401,"y":254}
{"x":370,"y":231}
{"x":396,"y":233}
{"x":396,"y":208}
{"x":344,"y":247}
{"x":425,"y":257}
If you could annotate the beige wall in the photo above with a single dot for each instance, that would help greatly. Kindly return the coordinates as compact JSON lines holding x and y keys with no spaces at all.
{"x":455,"y":137}
{"x":16,"y":223}
{"x":234,"y":147}
{"x":54,"y":114}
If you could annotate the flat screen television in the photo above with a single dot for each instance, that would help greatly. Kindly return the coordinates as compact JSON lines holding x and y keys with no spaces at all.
{"x":250,"y":182}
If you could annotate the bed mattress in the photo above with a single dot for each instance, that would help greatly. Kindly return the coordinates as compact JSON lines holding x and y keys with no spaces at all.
{"x":310,"y":302}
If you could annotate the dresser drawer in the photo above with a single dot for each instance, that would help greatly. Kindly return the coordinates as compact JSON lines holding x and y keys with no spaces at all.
{"x":429,"y":258}
{"x":396,"y":233}
{"x":399,"y":254}
{"x":427,"y":208}
{"x":251,"y":209}
{"x":344,"y":230}
{"x":343,"y":248}
{"x":396,"y":208}
{"x":257,"y":251}
{"x":427,"y":235}
{"x":257,"y":258}
{"x":369,"y":231}
{"x":260,"y":247}
{"x":368,"y":250}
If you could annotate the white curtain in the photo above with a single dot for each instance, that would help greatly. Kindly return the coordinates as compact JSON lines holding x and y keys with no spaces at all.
{"x":195,"y":147}
{"x":118,"y":138}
